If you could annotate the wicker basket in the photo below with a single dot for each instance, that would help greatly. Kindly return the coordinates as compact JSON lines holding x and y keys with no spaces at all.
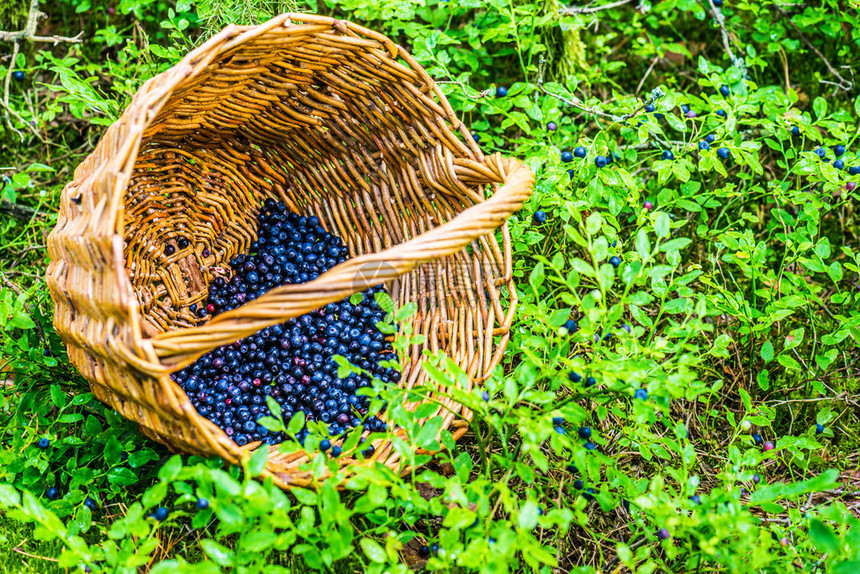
{"x":334,"y":120}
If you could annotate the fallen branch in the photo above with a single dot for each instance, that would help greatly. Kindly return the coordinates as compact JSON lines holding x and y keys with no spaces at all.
{"x":21,"y":211}
{"x":738,"y":63}
{"x":29,"y":31}
{"x":656,"y":94}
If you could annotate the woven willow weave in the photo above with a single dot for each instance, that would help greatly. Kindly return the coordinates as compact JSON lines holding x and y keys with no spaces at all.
{"x":336,"y":121}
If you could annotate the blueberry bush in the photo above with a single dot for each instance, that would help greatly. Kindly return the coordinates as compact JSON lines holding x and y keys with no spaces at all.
{"x":680,"y":391}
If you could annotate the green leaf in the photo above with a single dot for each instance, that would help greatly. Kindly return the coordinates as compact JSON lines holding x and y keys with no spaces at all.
{"x":219,"y":554}
{"x":822,"y":536}
{"x":373,"y":550}
{"x":274,"y":407}
{"x":767,"y":351}
{"x":296,"y":423}
{"x":257,"y":462}
{"x":58,"y":397}
{"x":121,"y":476}
{"x":662,"y":224}
{"x":819,"y":106}
{"x":171,"y":468}
{"x":536,"y":277}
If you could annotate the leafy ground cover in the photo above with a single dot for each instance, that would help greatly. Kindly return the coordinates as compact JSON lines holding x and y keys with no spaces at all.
{"x":681,"y":389}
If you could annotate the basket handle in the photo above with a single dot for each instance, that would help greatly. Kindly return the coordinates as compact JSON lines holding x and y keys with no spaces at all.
{"x":177,"y":349}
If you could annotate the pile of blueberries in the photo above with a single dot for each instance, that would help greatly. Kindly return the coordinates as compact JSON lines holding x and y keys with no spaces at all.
{"x":291,"y":362}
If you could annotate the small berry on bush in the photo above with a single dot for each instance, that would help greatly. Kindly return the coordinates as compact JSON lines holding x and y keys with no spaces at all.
{"x":551,"y":126}
{"x":325,"y":444}
{"x":90,"y":503}
{"x":839,"y":164}
{"x":539,"y":217}
{"x":648,"y":206}
{"x":19,"y":75}
{"x":667,"y":155}
{"x":722,"y":113}
{"x":757,"y":438}
{"x":571,"y":468}
{"x":336,"y":450}
{"x":590,"y":446}
{"x":202,"y":503}
{"x":566,"y":156}
{"x":110,"y":10}
{"x":711,"y":138}
{"x":578,"y":484}
{"x":600,"y":161}
{"x":486,"y":396}
{"x":43,"y":443}
{"x":695,"y":499}
{"x":615,"y":261}
{"x":723,"y":153}
{"x":839,"y":150}
{"x":704,"y":146}
{"x":574,"y":377}
{"x":820,"y":152}
{"x":590,"y":382}
{"x":795,"y":131}
{"x":570,"y":326}
{"x":580,"y":152}
{"x":819,"y":428}
{"x":52,"y":492}
{"x":558,"y":421}
{"x":663,"y":534}
{"x":767,"y":446}
{"x":161,"y":514}
{"x":650,"y":108}
{"x":560,"y":430}
{"x":584,"y":433}
{"x":640,"y":394}
{"x":853,"y":170}
{"x":501,"y":92}
{"x":725,"y":91}
{"x":756,"y":479}
{"x":424,"y":551}
{"x":685,"y":108}
{"x":691,"y":114}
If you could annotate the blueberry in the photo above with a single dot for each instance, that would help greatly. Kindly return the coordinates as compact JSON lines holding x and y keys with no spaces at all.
{"x":691,"y":114}
{"x":19,"y":75}
{"x":434,"y":548}
{"x":43,"y":443}
{"x":647,"y":206}
{"x":566,"y":156}
{"x":571,"y":468}
{"x":52,"y":492}
{"x":795,"y":131}
{"x":600,"y":161}
{"x":336,"y":450}
{"x":584,"y":433}
{"x":574,"y":377}
{"x":650,"y":108}
{"x":718,"y":3}
{"x":725,"y":91}
{"x":560,"y":430}
{"x":820,"y":152}
{"x":486,"y":396}
{"x":557,"y":421}
{"x":424,"y":551}
{"x":539,"y":217}
{"x":819,"y":428}
{"x":590,"y":446}
{"x":202,"y":503}
{"x":641,"y":394}
{"x":325,"y":444}
{"x":839,"y":164}
{"x":590,"y":382}
{"x":476,"y":137}
{"x":685,"y":108}
{"x":90,"y":503}
{"x":695,"y":499}
{"x":722,"y":113}
{"x":551,"y":126}
{"x":578,"y":484}
{"x":723,"y":153}
{"x":767,"y":446}
{"x":615,"y":261}
{"x":667,"y":155}
{"x":704,"y":146}
{"x":838,"y":150}
{"x":663,"y":534}
{"x":756,"y":479}
{"x":570,"y":326}
{"x":757,"y":438}
{"x":659,"y":116}
{"x":579,"y":152}
{"x":501,"y":92}
{"x":711,"y":138}
{"x":854,"y":170}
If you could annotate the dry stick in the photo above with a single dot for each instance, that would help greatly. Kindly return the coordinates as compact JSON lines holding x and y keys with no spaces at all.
{"x":656,"y":94}
{"x":736,"y":62}
{"x":21,"y":211}
{"x":843,"y":83}
{"x":593,"y":9}
{"x":29,"y":31}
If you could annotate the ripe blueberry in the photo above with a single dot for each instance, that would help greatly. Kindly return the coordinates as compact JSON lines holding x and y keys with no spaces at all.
{"x":667,"y":155}
{"x":756,"y":479}
{"x":663,"y":534}
{"x":838,"y":149}
{"x":584,"y":433}
{"x":590,"y":446}
{"x":485,"y":395}
{"x":695,"y":499}
{"x":43,"y":443}
{"x":685,"y":108}
{"x":757,"y":438}
{"x":615,"y":261}
{"x":566,"y":156}
{"x":641,"y":394}
{"x":90,"y":503}
{"x":600,"y":161}
{"x":202,"y":503}
{"x":590,"y":382}
{"x":19,"y":75}
{"x":650,"y":108}
{"x":691,"y":114}
{"x":853,"y":170}
{"x":336,"y":450}
{"x":704,"y":146}
{"x":722,"y":113}
{"x":52,"y":492}
{"x":820,"y":152}
{"x":579,"y":152}
{"x":578,"y":484}
{"x":725,"y":91}
{"x":574,"y":377}
{"x":161,"y":514}
{"x":539,"y":217}
{"x":819,"y":428}
{"x":839,"y":164}
{"x":551,"y":126}
{"x":723,"y":153}
{"x":571,"y":326}
{"x":325,"y":444}
{"x":795,"y":131}
{"x":711,"y":138}
{"x":501,"y":92}
{"x":560,"y":430}
{"x":424,"y":551}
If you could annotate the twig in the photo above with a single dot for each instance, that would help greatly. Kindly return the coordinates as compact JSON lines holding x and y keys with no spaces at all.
{"x":21,"y":211}
{"x":738,"y":63}
{"x":843,"y":83}
{"x":481,"y":95}
{"x":29,"y":31}
{"x":593,"y":9}
{"x":656,"y":94}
